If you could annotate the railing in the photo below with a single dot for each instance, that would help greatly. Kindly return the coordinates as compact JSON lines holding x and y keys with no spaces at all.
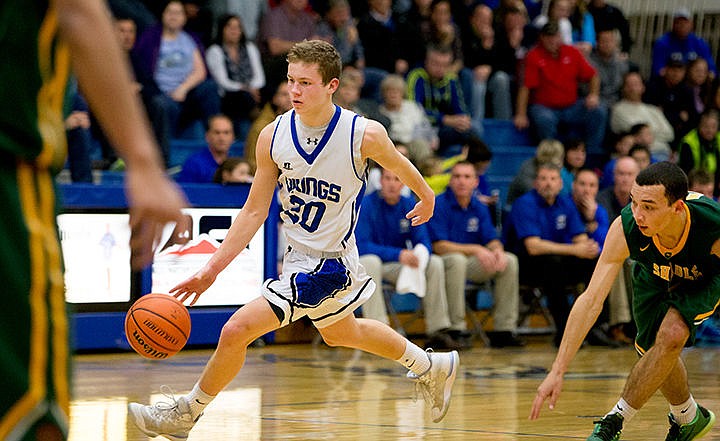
{"x":649,"y":19}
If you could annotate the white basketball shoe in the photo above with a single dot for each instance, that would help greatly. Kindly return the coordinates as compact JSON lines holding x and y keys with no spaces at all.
{"x":436,"y":384}
{"x":172,"y":419}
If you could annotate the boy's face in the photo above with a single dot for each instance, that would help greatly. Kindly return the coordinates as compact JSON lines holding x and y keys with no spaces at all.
{"x":307,"y":91}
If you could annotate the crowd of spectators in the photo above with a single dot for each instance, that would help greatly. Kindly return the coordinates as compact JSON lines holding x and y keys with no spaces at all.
{"x":431,"y":71}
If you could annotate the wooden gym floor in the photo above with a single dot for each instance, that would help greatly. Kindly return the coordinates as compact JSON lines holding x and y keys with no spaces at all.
{"x":303,"y":392}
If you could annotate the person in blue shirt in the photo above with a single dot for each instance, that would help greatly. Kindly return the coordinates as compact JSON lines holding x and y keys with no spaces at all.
{"x":386,"y":241}
{"x":609,"y":329}
{"x":464,"y":236}
{"x":548,"y":235}
{"x":200,"y":167}
{"x":681,"y":43}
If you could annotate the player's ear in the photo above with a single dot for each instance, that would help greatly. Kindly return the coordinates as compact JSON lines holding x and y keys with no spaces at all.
{"x":333,"y":85}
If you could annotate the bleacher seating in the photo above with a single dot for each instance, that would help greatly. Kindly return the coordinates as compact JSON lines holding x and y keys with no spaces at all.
{"x":510,"y":147}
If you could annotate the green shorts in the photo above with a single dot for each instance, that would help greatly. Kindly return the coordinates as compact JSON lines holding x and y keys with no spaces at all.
{"x":652,"y":300}
{"x":34,"y":354}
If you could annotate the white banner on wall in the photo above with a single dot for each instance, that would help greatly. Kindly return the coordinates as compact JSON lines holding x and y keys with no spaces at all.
{"x":238,"y":284}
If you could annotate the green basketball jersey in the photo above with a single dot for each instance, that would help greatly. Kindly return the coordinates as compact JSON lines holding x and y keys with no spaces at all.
{"x":33,"y":83}
{"x":687,"y":267}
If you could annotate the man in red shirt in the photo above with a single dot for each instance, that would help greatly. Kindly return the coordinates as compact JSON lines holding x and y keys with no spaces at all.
{"x":553,"y":72}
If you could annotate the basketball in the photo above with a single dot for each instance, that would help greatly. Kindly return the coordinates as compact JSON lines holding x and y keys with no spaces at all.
{"x":157,"y":326}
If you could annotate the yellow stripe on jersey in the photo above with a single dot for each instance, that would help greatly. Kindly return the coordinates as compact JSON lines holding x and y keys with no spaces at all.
{"x":56,"y":291}
{"x":37,"y":386}
{"x":54,"y":63}
{"x":702,"y":317}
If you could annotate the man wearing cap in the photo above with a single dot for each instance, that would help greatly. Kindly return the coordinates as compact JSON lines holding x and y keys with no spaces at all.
{"x":681,"y":44}
{"x":549,"y":98}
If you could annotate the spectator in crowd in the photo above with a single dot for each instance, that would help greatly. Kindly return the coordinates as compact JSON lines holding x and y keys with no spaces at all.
{"x":608,"y":330}
{"x":575,"y":156}
{"x":464,"y":236}
{"x":170,"y":65}
{"x":511,"y":41}
{"x":611,"y":66}
{"x":420,"y":26}
{"x":641,"y":154}
{"x":79,"y":139}
{"x":669,"y":92}
{"x":680,"y":44}
{"x":338,"y":28}
{"x":622,"y":145}
{"x":701,"y":181}
{"x":137,"y":11}
{"x":408,"y":122}
{"x":700,"y":148}
{"x":444,"y":32}
{"x":609,"y":17}
{"x":549,"y":150}
{"x":347,"y":96}
{"x":233,"y":170}
{"x":281,"y":27}
{"x":234,"y":62}
{"x":437,"y":171}
{"x":200,"y":167}
{"x":481,"y":57}
{"x":631,"y":110}
{"x":199,"y":20}
{"x":575,"y":24}
{"x":390,"y":44}
{"x":249,"y":11}
{"x":643,"y":134}
{"x":584,"y":190}
{"x":583,"y":26}
{"x":438,"y":90}
{"x":276,"y":104}
{"x":614,"y":199}
{"x":700,"y":82}
{"x":387,"y":243}
{"x":547,"y":234}
{"x":549,"y":95}
{"x":155,"y":105}
{"x":617,"y":196}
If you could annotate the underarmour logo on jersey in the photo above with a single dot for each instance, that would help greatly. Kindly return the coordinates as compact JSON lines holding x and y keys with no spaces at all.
{"x":312,"y":141}
{"x":287,"y":166}
{"x":644,"y":248}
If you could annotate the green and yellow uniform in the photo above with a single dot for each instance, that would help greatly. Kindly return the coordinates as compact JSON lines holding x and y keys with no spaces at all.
{"x":33,"y":332}
{"x":686,"y":277}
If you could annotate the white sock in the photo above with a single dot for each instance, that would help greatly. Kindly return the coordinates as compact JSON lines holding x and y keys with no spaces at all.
{"x":684,"y":413}
{"x":624,"y":409}
{"x":414,"y":358}
{"x":198,"y":400}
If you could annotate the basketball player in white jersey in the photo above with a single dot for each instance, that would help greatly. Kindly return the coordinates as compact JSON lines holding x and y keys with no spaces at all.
{"x":317,"y":155}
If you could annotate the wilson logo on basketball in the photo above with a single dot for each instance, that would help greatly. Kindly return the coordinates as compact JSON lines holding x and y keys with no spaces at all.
{"x":160,"y":332}
{"x":147,"y":349}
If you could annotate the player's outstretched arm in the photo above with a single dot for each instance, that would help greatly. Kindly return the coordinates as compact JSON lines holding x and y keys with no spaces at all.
{"x":378,"y":147}
{"x":584,"y":312}
{"x":103,"y":73}
{"x":248,"y":221}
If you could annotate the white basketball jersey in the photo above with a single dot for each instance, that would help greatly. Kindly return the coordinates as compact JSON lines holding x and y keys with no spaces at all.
{"x":322,"y":179}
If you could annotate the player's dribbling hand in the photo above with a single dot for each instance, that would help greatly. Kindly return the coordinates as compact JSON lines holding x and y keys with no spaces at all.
{"x":421,"y":213}
{"x":549,"y":390}
{"x":193,"y":287}
{"x":154,"y":201}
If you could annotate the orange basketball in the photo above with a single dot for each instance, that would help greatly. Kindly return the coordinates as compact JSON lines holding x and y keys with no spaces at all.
{"x":157,"y":326}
